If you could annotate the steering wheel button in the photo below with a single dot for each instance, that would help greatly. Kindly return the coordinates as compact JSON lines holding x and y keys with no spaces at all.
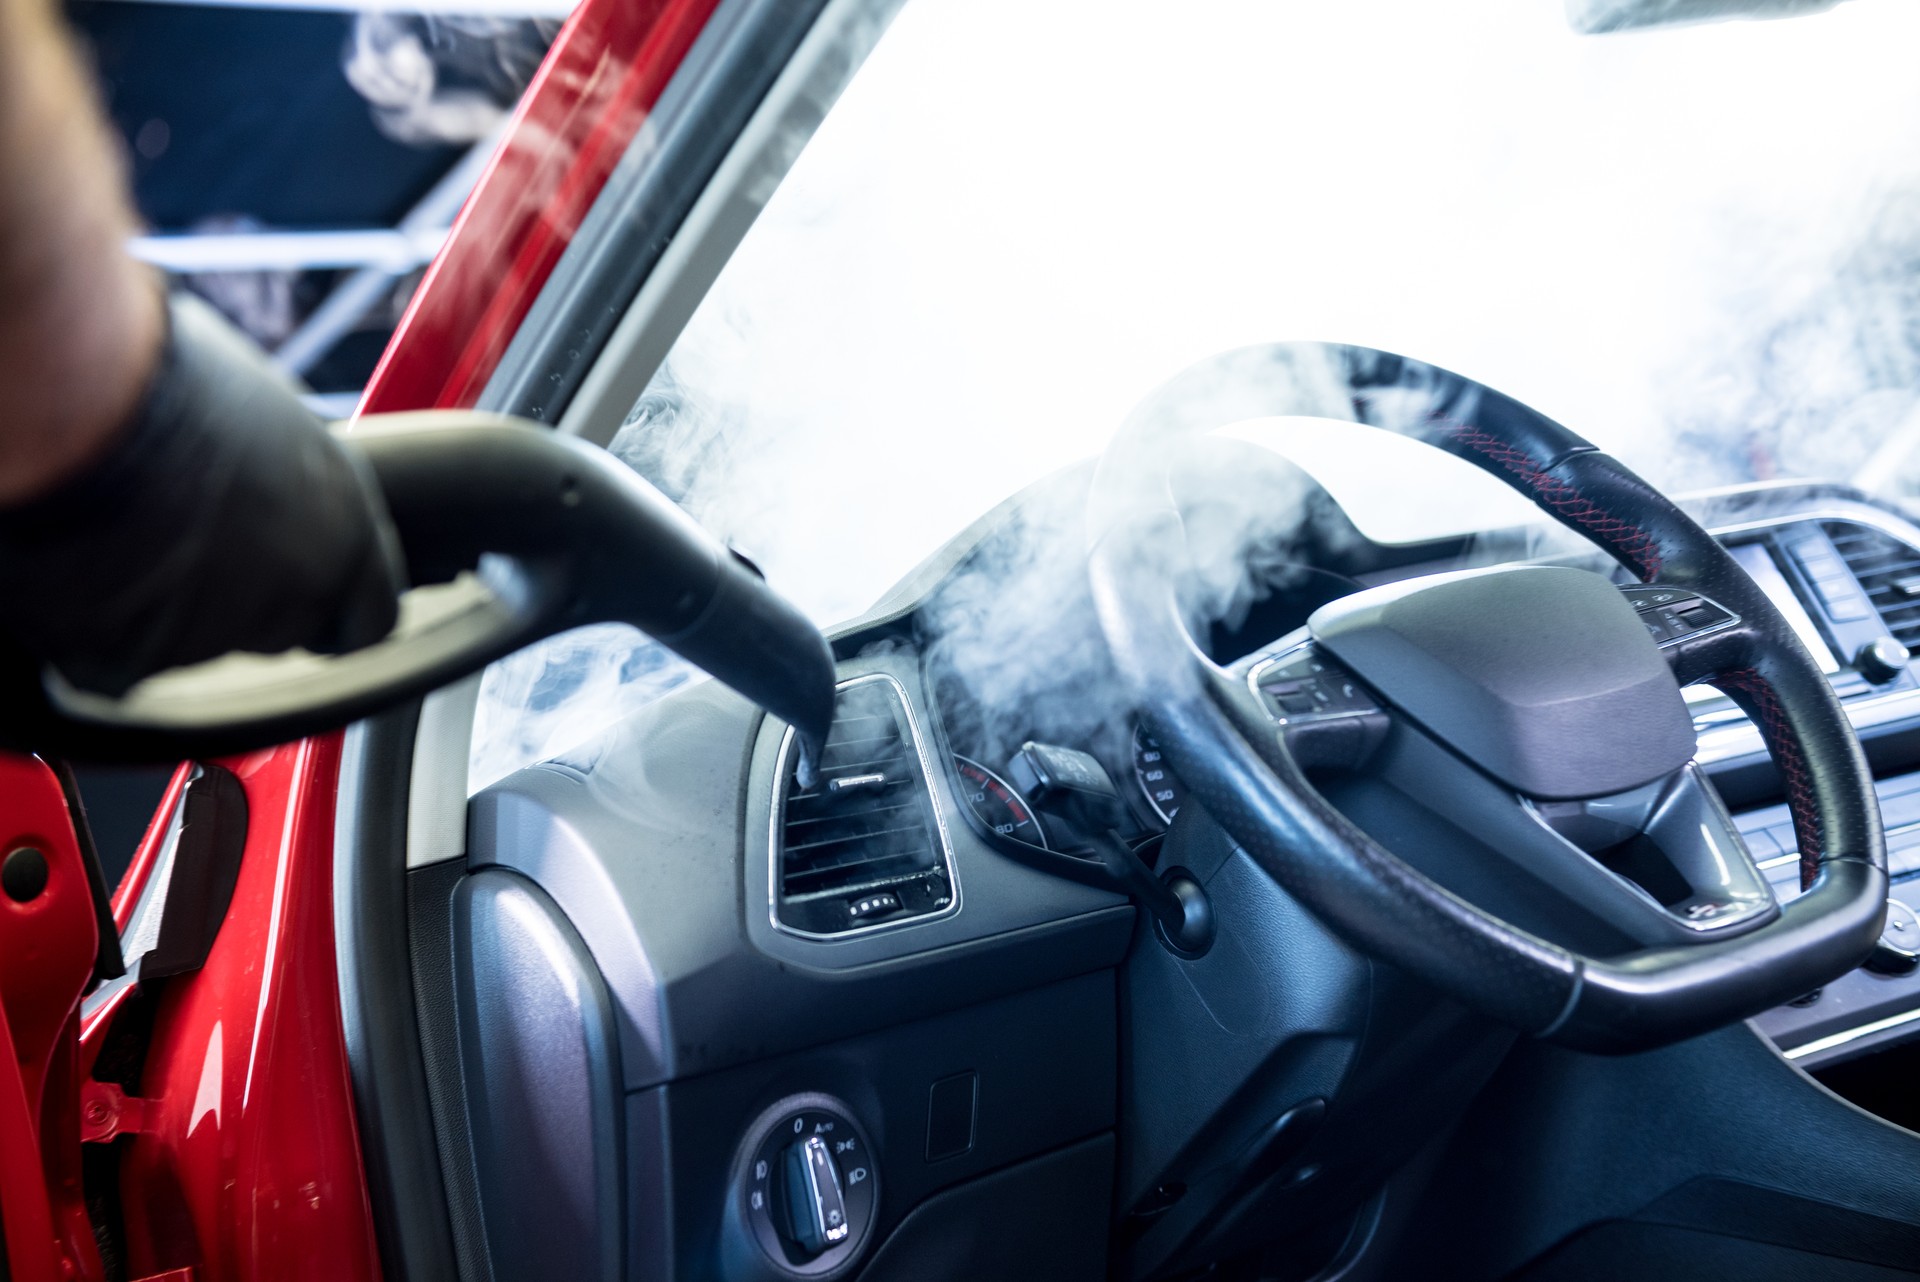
{"x":1821,"y":563}
{"x":1654,"y":598}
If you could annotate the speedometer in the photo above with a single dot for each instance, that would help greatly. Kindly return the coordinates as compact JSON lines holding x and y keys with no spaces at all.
{"x":1163,"y":791}
{"x":997,"y":805}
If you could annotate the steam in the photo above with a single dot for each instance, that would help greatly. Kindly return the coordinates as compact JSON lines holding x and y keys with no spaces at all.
{"x":436,"y":80}
{"x":1814,"y":370}
{"x":1014,"y":629}
{"x":1694,"y":245}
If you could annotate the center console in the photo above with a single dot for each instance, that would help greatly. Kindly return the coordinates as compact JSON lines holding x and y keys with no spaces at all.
{"x":1880,"y":1002}
{"x":1847,"y":579}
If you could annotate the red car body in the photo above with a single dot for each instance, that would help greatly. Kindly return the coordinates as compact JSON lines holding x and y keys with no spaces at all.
{"x":237,"y":1149}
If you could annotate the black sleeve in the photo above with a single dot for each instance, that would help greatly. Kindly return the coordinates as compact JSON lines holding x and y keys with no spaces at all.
{"x":226,"y":518}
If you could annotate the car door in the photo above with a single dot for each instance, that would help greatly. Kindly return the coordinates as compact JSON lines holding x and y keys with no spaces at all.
{"x":203,"y":1112}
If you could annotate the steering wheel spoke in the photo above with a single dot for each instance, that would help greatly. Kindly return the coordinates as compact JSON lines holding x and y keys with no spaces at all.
{"x":1672,"y":848}
{"x":1661,"y":863}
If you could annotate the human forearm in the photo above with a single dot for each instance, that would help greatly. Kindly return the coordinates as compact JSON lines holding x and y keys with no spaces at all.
{"x":80,"y":322}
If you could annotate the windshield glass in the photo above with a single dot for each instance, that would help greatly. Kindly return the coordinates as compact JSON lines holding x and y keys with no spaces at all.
{"x":1697,"y":246}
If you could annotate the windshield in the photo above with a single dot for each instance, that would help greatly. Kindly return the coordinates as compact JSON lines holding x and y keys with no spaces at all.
{"x":1697,"y":246}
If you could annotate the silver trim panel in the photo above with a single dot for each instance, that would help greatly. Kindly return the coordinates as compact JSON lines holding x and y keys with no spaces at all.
{"x":1846,"y":1035}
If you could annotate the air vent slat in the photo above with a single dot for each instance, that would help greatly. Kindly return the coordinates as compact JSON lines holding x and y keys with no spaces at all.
{"x":840,"y":830}
{"x":797,"y":821}
{"x":837,"y":758}
{"x":1889,"y":573}
{"x":835,"y":845}
{"x":818,"y":860}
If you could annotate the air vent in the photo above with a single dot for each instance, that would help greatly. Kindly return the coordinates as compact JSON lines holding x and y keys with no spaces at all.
{"x":864,"y":848}
{"x":1889,"y":571}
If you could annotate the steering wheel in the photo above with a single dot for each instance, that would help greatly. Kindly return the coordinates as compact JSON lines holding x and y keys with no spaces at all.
{"x":1562,"y":734}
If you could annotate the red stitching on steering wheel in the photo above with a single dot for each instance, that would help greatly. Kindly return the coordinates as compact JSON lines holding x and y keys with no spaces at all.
{"x":1793,"y":766}
{"x":1622,"y":535}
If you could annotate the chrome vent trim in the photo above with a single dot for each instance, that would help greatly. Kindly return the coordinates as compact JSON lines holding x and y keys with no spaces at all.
{"x":890,"y":836}
{"x":1889,"y":570}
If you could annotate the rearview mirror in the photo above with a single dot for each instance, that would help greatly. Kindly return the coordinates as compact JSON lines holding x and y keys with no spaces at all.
{"x":1595,"y":17}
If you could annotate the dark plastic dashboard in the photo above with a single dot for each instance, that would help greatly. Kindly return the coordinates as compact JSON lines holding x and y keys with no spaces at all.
{"x":1017,"y":1053}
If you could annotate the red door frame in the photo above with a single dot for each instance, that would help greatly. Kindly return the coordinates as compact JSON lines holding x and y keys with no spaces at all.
{"x":240,"y":1156}
{"x":604,"y":74}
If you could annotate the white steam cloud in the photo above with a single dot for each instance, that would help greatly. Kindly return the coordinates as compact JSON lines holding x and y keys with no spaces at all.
{"x":1697,"y":246}
{"x":434,"y":80}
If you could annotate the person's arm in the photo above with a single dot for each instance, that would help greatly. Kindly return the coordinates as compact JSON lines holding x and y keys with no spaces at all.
{"x":165,"y":496}
{"x":80,"y":321}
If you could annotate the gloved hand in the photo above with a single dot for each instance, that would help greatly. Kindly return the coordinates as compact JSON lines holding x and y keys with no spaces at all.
{"x":226,"y":517}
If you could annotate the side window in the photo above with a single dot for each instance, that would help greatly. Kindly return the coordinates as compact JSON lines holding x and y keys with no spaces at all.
{"x":550,"y":697}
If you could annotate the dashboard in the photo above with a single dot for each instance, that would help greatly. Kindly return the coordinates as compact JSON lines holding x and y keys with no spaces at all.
{"x":903,"y":969}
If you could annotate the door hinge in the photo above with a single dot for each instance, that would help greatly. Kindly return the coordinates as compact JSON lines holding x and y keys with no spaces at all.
{"x":107,"y":1112}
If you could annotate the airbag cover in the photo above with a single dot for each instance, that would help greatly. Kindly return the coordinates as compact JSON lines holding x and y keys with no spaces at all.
{"x":1542,"y":676}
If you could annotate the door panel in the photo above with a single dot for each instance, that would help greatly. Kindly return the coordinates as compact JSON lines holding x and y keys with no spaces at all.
{"x":223,"y":1094}
{"x":48,"y":942}
{"x":243,"y":1160}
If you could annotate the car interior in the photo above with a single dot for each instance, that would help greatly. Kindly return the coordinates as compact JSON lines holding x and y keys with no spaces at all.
{"x":1194,"y":884}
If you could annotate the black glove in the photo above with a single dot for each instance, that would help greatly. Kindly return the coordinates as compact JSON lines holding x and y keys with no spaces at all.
{"x":225,"y":518}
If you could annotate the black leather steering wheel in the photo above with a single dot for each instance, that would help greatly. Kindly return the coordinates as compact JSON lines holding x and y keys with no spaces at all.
{"x":1241,"y":761}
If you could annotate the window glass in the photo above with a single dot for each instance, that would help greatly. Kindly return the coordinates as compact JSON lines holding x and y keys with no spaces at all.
{"x":1698,"y":246}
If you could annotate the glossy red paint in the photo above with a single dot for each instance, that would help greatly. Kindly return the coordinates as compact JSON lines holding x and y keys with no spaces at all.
{"x":247,"y":1164}
{"x":135,"y":878}
{"x":605,"y":72}
{"x":239,"y":1155}
{"x":47,"y":945}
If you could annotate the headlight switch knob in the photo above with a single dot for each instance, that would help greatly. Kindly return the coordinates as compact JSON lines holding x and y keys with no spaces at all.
{"x":806,"y":1190}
